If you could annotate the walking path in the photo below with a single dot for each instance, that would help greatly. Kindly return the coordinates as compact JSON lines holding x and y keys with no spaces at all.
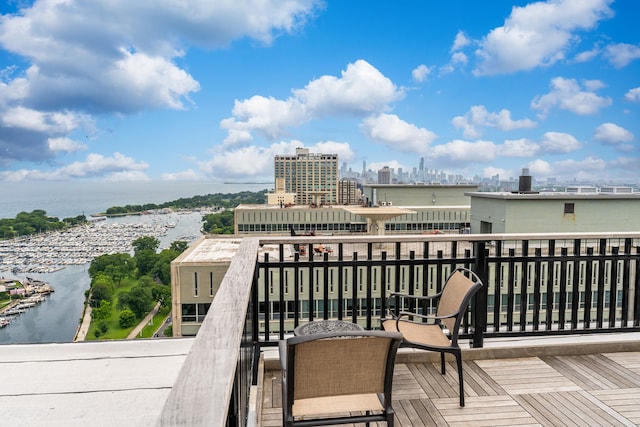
{"x":144,"y":322}
{"x":83,"y":329}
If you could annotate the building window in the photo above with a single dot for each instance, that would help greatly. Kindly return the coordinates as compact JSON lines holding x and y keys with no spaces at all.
{"x":195,"y":284}
{"x":188,"y":313}
{"x":569,"y":208}
{"x":211,"y":283}
{"x":202,"y":311}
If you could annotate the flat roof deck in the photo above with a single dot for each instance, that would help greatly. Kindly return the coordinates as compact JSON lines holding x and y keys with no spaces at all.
{"x":106,"y":383}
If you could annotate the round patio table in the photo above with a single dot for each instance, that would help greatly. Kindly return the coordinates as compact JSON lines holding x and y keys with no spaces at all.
{"x":326,"y":326}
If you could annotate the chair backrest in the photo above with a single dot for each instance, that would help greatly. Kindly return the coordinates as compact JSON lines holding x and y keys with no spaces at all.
{"x":341,"y":363}
{"x":461,"y":285}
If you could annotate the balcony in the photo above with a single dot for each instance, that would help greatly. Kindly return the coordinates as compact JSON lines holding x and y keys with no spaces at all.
{"x":570,"y":288}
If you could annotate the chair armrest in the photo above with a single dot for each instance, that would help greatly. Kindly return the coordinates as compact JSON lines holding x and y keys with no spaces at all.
{"x":426,"y":316}
{"x":416,"y":297}
{"x":282,"y":351}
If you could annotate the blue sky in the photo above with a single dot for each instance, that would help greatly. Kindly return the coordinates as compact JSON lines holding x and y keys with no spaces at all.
{"x":212,"y":90}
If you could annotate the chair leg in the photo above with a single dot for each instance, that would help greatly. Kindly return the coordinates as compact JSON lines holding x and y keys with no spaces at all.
{"x":460,"y":380}
{"x":443,"y":369}
{"x":390,"y":419}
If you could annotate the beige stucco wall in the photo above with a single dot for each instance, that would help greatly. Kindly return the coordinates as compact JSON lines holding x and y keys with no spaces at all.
{"x":420,"y":195}
{"x":546,"y":214}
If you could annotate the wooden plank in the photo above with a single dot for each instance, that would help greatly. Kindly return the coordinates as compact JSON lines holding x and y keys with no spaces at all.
{"x":553,"y":398}
{"x":428,"y":412}
{"x":486,"y":410}
{"x":482,"y":380}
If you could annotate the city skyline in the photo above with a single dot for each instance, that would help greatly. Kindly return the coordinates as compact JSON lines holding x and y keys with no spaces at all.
{"x":153,"y":91}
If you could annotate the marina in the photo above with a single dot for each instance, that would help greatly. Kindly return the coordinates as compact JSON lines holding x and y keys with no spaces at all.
{"x":50,"y":252}
{"x":27,"y":294}
{"x":62,"y":259}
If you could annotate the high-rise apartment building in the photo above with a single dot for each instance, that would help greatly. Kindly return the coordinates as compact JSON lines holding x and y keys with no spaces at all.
{"x":384,"y":175}
{"x":348,"y":192}
{"x":312,"y":177}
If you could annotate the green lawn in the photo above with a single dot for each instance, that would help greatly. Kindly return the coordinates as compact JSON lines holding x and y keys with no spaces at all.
{"x":117,"y":332}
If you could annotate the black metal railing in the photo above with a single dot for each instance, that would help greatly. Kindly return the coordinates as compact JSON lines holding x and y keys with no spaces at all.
{"x":534,"y":284}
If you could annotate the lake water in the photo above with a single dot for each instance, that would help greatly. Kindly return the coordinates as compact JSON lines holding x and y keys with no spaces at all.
{"x":57,"y":319}
{"x":65,"y":200}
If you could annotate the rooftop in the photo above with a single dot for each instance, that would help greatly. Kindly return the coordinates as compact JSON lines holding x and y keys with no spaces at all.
{"x":554,"y":195}
{"x":113,"y":383}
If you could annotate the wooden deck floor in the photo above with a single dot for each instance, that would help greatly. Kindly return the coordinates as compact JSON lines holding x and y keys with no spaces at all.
{"x":590,"y":390}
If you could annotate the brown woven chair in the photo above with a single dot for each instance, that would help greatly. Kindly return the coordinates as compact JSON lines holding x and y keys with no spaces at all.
{"x":328,"y":377}
{"x":437,"y":332}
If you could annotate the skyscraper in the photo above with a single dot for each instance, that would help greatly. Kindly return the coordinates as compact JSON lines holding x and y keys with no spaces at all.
{"x":312,"y":177}
{"x":384,"y":175}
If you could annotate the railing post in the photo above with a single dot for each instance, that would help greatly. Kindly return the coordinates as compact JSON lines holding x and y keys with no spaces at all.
{"x":481,"y":268}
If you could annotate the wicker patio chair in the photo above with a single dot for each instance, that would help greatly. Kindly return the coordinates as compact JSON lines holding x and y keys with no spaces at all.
{"x":338,"y":378}
{"x":437,"y":332}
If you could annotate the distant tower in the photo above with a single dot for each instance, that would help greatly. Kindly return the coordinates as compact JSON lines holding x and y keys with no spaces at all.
{"x":384,"y":175}
{"x":348,"y":192}
{"x":306,"y":173}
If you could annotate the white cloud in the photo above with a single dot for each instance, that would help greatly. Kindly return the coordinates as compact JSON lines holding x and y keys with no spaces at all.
{"x":421,"y":72}
{"x":268,"y":116}
{"x":99,"y":165}
{"x":342,"y":149}
{"x":492,"y":171}
{"x":568,"y":95}
{"x":459,"y":152}
{"x":361,"y":90}
{"x":610,"y":133}
{"x":537,"y":34}
{"x":459,"y":58}
{"x":518,"y":148}
{"x":397,"y":134}
{"x":621,"y":54}
{"x":115,"y":57}
{"x":587,"y":55}
{"x":66,"y":145}
{"x":540,"y":169}
{"x":559,"y":143}
{"x":633,"y":95}
{"x":478,"y":116}
{"x":391,"y":164}
{"x":588,"y":169}
{"x":118,"y":167}
{"x":460,"y":41}
{"x":55,"y":123}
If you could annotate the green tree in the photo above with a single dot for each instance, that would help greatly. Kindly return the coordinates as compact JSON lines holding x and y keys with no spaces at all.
{"x":162,"y":267}
{"x":102,"y":289}
{"x":161,"y":293}
{"x":103,"y":312}
{"x":146,"y":261}
{"x":117,"y":266}
{"x":219,"y":223}
{"x":139,"y":300}
{"x":127,"y":318}
{"x":179,"y":246}
{"x":145,"y":243}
